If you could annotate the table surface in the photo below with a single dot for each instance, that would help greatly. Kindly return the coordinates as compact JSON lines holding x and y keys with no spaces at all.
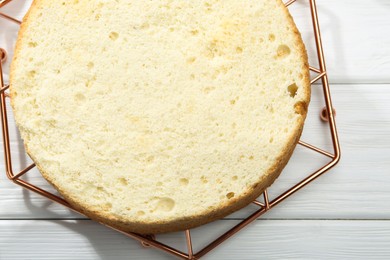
{"x":343,"y":214}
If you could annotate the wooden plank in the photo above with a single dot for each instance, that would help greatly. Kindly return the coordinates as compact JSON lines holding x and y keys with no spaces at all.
{"x":270,"y":239}
{"x":348,"y":28}
{"x":356,"y":47}
{"x":9,"y":30}
{"x":354,"y":36}
{"x":357,"y":188}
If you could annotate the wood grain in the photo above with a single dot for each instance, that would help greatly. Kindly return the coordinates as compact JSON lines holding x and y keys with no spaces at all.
{"x":354,"y":35}
{"x":270,"y":239}
{"x":342,"y":215}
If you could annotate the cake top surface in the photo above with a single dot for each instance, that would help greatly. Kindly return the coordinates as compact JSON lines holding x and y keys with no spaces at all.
{"x":159,"y":115}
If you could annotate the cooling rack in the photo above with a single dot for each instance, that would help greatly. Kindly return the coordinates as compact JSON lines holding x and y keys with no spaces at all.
{"x":263,"y":204}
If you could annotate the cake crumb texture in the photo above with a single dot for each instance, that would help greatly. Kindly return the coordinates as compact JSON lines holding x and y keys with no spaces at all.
{"x":157,"y":116}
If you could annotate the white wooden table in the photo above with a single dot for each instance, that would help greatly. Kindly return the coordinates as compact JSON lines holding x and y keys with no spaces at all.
{"x":344,"y":214}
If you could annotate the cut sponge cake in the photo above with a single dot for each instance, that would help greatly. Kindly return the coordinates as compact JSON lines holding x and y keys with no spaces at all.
{"x":157,"y":116}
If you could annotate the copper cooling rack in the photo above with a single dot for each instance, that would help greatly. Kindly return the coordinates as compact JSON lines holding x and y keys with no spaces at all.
{"x":327,"y":114}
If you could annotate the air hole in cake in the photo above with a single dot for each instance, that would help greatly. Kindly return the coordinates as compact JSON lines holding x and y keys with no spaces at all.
{"x":208,"y":89}
{"x":141,"y":213}
{"x":191,"y":60}
{"x":235,"y":177}
{"x":31,"y":73}
{"x":271,"y":37}
{"x":292,"y":89}
{"x":204,"y":179}
{"x":90,"y":82}
{"x":283,"y":51}
{"x":32,"y":44}
{"x":251,"y":157}
{"x":114,"y":36}
{"x":150,"y":159}
{"x":165,"y":204}
{"x":194,"y":32}
{"x":184,"y":181}
{"x":123,"y":181}
{"x":270,"y":108}
{"x":239,"y":49}
{"x":230,"y":195}
{"x":300,"y":107}
{"x":79,"y":97}
{"x":145,"y":26}
{"x":90,"y":65}
{"x":271,"y":140}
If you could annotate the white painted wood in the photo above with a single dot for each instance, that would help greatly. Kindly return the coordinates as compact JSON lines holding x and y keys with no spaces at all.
{"x":354,"y":32}
{"x":306,"y":226}
{"x":355,"y":36}
{"x":270,"y":239}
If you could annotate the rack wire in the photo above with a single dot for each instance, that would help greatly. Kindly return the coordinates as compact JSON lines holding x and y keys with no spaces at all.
{"x":327,"y":114}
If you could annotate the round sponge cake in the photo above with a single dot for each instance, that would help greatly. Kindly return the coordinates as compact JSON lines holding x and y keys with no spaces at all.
{"x":158,"y":116}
